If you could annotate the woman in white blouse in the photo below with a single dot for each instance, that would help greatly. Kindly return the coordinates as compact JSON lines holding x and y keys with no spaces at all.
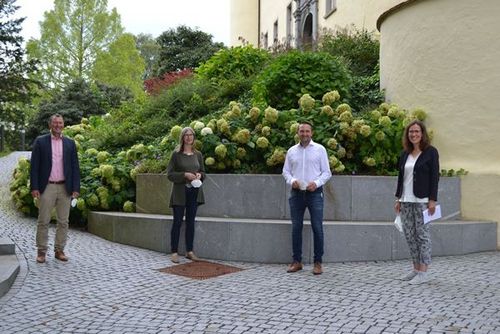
{"x":417,"y":191}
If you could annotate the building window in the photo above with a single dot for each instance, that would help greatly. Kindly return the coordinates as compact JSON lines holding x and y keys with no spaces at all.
{"x":289,"y":22}
{"x":265,"y":41}
{"x":330,"y":7}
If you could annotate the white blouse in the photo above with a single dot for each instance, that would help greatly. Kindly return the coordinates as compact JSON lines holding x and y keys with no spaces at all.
{"x":408,"y":195}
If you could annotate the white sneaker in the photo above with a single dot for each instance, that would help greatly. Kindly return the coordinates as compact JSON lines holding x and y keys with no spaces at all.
{"x":420,"y":278}
{"x":409,"y":276}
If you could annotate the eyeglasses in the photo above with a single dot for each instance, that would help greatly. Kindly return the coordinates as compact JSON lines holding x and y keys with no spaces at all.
{"x":414,"y":131}
{"x":189,"y":135}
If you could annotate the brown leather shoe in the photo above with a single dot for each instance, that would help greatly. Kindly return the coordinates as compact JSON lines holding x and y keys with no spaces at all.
{"x":60,"y":256}
{"x":317,"y":270}
{"x":192,"y":256}
{"x":40,"y":257}
{"x":294,"y":267}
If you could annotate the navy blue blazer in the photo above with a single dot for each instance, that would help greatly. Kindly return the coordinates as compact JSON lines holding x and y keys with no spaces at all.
{"x":425,"y":174}
{"x":41,"y":164}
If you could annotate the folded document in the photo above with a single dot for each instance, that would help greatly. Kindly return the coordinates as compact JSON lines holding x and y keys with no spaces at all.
{"x":428,"y":218}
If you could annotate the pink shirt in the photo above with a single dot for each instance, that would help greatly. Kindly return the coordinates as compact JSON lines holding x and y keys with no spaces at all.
{"x":57,"y":172}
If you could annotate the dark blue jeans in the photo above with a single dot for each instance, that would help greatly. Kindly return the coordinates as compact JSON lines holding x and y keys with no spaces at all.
{"x":313,"y":201}
{"x":190,"y":210}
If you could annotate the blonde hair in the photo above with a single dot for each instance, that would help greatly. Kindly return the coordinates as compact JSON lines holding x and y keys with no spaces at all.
{"x":180,"y":147}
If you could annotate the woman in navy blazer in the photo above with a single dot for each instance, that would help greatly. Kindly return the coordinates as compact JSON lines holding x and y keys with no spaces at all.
{"x":417,"y":191}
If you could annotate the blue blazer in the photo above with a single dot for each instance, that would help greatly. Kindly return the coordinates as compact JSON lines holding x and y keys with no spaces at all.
{"x":425,"y":174}
{"x":41,"y":164}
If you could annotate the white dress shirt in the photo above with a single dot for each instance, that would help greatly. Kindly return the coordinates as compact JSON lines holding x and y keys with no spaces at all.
{"x":309,"y":164}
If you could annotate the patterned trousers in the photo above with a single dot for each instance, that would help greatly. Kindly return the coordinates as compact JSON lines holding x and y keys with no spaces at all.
{"x":417,"y":233}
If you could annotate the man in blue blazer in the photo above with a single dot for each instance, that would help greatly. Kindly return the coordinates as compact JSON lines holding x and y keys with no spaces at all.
{"x":55,"y":180}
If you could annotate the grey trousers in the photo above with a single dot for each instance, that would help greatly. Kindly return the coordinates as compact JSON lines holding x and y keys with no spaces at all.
{"x":417,"y":233}
{"x":54,"y":196}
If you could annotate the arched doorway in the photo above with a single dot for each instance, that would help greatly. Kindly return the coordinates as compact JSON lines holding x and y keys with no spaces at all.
{"x":307,"y":32}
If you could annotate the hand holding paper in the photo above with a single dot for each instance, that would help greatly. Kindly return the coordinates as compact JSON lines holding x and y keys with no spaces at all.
{"x":428,"y":218}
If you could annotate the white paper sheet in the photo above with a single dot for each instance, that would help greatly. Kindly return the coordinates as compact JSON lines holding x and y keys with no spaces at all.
{"x":428,"y":218}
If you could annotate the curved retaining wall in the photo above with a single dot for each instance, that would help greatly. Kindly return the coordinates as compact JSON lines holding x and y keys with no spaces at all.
{"x":347,"y":198}
{"x":246,"y":218}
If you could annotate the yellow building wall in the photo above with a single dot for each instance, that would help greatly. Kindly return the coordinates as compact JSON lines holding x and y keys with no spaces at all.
{"x":363,"y":14}
{"x":450,"y":68}
{"x":245,"y":17}
{"x":244,"y":22}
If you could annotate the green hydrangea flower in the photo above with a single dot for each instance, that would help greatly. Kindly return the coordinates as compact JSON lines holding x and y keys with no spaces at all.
{"x":266,"y":131}
{"x":242,"y":136}
{"x":330,"y":98}
{"x":107,"y":171}
{"x":221,"y":151}
{"x":91,"y":151}
{"x":294,"y":127}
{"x":385,"y":121}
{"x":80,"y":204}
{"x":241,"y":153}
{"x":223,"y":126}
{"x":209,"y":161}
{"x":271,"y":115}
{"x":102,"y":156}
{"x":346,"y":116}
{"x":365,"y":130}
{"x":129,"y":206}
{"x":262,"y":142}
{"x":341,"y":152}
{"x":332,"y":143}
{"x":93,"y":201}
{"x":254,"y":114}
{"x":96,"y":172}
{"x":380,"y":135}
{"x":327,"y":110}
{"x":343,"y":107}
{"x":306,"y":102}
{"x":375,"y":115}
{"x":369,"y":161}
{"x":236,"y":164}
{"x":339,"y":168}
{"x":206,"y":131}
{"x":333,"y":161}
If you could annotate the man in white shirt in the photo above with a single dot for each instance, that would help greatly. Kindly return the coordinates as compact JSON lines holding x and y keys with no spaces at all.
{"x":306,"y":169}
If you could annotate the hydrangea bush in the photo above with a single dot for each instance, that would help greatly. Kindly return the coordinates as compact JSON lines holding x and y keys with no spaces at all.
{"x":107,"y":180}
{"x":253,"y":140}
{"x":235,"y":140}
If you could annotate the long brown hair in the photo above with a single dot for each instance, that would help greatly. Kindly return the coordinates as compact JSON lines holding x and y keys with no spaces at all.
{"x":180,"y":147}
{"x":424,"y":142}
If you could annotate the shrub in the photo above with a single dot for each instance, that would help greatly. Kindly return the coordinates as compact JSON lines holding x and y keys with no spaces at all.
{"x":156,"y":85}
{"x":359,"y":49}
{"x":295,"y":73}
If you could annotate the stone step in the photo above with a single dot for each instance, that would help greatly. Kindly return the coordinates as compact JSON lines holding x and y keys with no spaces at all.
{"x":7,"y":247}
{"x":269,"y":240}
{"x":9,"y":268}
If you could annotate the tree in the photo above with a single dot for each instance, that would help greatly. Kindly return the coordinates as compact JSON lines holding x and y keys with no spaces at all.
{"x":121,"y":65}
{"x":150,"y":51}
{"x":79,"y":99}
{"x":15,"y":87}
{"x":182,"y":48}
{"x":72,"y":34}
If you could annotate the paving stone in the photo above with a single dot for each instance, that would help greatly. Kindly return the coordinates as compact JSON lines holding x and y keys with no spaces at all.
{"x":114,"y":288}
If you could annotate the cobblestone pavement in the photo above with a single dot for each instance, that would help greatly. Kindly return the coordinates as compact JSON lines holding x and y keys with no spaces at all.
{"x":113,"y":288}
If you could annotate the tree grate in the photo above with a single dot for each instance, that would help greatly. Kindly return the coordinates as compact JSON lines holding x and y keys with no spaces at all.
{"x":200,"y":270}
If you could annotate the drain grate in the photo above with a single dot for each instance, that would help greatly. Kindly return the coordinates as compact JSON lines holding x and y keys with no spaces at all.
{"x":200,"y":270}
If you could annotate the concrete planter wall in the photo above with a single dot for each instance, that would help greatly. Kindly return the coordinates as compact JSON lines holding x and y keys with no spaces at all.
{"x":246,"y":218}
{"x":347,"y":198}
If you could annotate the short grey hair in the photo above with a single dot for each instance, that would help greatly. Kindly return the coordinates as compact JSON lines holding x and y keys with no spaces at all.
{"x":51,"y":118}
